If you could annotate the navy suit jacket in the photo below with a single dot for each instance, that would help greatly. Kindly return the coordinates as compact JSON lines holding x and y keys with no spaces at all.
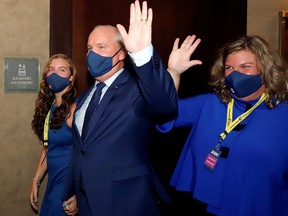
{"x":114,"y":160}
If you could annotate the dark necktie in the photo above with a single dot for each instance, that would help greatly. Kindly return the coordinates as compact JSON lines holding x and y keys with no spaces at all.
{"x":88,"y":120}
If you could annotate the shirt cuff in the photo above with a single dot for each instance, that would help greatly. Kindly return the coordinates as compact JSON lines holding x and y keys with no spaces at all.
{"x":143,"y":56}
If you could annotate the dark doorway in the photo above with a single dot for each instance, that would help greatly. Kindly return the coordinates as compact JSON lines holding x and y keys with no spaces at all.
{"x":215,"y":22}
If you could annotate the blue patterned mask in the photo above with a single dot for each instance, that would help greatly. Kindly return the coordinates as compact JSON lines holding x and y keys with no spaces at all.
{"x":99,"y":65}
{"x":243,"y":84}
{"x":56,"y":82}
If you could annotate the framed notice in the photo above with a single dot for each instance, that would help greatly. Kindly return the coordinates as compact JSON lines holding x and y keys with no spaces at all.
{"x":21,"y":74}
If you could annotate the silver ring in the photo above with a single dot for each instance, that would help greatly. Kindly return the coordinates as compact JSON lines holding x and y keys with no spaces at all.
{"x":35,"y":201}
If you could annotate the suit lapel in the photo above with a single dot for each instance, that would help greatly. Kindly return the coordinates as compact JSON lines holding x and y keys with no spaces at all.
{"x":118,"y":83}
{"x":80,"y":100}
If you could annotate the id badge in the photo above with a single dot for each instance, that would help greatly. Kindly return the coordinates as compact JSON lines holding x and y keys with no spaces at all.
{"x":212,"y":159}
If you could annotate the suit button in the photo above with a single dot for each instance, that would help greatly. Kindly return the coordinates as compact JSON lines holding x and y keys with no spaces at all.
{"x":83,"y":152}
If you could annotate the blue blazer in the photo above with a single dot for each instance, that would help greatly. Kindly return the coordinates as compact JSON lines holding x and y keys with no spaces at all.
{"x":114,"y":160}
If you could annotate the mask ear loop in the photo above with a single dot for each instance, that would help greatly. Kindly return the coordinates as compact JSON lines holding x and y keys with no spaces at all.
{"x":115,"y":55}
{"x":117,"y":52}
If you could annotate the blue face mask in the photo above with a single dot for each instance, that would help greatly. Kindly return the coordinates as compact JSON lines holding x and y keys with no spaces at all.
{"x":56,"y":82}
{"x":242,"y":84}
{"x":99,"y":65}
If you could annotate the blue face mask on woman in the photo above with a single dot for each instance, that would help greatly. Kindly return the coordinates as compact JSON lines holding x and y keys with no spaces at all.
{"x":99,"y":65}
{"x":56,"y":82}
{"x":242,"y":84}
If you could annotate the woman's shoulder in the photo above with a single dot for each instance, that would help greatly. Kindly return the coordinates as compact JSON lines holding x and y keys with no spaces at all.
{"x":70,"y":117}
{"x":205,"y":97}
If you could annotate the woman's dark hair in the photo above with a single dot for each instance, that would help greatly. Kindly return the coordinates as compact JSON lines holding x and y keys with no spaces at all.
{"x":46,"y":98}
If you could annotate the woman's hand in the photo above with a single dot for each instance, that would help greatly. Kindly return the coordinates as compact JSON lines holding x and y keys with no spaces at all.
{"x":34,"y":192}
{"x":70,"y":206}
{"x":179,"y":59}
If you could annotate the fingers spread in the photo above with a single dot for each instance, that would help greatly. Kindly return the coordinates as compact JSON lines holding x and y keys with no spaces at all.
{"x":137,"y":10}
{"x":144,"y":11}
{"x":132,"y":13}
{"x":176,"y":44}
{"x":150,"y":16}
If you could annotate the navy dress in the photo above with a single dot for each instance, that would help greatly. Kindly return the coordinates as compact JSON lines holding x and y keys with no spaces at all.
{"x":59,"y":147}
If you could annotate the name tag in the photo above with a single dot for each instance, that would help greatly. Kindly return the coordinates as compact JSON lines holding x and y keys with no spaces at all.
{"x":212,"y":159}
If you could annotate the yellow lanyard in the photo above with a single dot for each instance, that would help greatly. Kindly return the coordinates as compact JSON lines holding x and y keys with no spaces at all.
{"x":212,"y":158}
{"x":230,"y":125}
{"x":46,"y":129}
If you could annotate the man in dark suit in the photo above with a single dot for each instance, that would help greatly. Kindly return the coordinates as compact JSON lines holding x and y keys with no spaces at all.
{"x":110,"y":170}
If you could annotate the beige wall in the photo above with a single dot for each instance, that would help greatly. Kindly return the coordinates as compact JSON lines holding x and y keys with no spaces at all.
{"x":24,"y":32}
{"x":262,"y":18}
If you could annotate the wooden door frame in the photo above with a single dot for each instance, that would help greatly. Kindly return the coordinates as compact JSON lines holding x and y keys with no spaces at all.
{"x":61,"y":27}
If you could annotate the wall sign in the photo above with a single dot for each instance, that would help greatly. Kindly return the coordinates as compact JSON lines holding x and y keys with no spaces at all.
{"x":21,"y":74}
